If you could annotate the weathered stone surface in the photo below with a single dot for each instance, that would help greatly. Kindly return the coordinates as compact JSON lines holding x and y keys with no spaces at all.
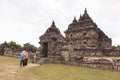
{"x":84,"y":33}
{"x":82,"y":38}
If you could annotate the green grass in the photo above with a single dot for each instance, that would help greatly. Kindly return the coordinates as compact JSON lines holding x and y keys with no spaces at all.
{"x":51,"y":72}
{"x":64,"y":72}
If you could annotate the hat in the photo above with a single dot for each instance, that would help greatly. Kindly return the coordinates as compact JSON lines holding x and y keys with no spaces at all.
{"x":23,"y":51}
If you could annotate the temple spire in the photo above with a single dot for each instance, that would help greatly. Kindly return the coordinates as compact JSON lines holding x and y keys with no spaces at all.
{"x":74,"y":20}
{"x":85,"y":11}
{"x":80,"y":17}
{"x":53,"y":24}
{"x":85,"y":15}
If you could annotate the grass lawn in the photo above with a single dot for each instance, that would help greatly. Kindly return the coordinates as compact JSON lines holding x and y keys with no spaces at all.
{"x":10,"y":70}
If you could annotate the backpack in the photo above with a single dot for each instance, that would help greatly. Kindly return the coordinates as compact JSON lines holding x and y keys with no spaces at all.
{"x":26,"y":55}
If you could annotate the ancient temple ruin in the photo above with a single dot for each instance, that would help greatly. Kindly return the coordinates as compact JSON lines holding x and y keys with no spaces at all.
{"x":82,"y":38}
{"x":81,"y":34}
{"x":84,"y":33}
{"x":51,"y":41}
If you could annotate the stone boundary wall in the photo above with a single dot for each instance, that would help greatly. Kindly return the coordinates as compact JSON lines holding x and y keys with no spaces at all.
{"x":103,"y":64}
{"x":92,"y":52}
{"x":98,"y":63}
{"x":80,"y":57}
{"x":9,"y":52}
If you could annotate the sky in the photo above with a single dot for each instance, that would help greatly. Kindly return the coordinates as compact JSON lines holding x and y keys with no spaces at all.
{"x":24,"y":21}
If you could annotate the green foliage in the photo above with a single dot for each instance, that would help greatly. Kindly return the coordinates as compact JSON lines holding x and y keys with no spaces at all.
{"x":29,"y":47}
{"x":14,"y":46}
{"x":18,"y":47}
{"x":116,"y":47}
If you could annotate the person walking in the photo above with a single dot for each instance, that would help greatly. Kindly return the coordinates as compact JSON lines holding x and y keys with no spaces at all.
{"x":25,"y":58}
{"x":22,"y":58}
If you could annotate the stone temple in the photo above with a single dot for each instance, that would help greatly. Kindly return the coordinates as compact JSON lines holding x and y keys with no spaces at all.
{"x":82,"y":38}
{"x":85,"y":33}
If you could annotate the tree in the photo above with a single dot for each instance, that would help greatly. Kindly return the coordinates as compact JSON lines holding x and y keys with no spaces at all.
{"x":14,"y":46}
{"x":114,"y":47}
{"x":29,"y":47}
{"x":18,"y":47}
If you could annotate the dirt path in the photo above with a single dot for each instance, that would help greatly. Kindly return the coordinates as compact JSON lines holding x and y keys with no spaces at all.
{"x":32,"y":65}
{"x":10,"y":71}
{"x":15,"y":69}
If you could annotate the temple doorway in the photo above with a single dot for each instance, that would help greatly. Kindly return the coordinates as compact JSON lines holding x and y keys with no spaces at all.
{"x":45,"y":49}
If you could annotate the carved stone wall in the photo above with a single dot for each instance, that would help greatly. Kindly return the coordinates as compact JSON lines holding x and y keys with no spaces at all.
{"x":82,"y":38}
{"x":51,"y":41}
{"x":85,"y":33}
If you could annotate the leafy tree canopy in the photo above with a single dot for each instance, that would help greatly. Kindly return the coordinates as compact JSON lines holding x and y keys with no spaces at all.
{"x":17,"y":47}
{"x":29,"y":47}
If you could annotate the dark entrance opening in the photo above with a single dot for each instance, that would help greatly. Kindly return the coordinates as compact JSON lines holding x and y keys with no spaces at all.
{"x":45,"y":49}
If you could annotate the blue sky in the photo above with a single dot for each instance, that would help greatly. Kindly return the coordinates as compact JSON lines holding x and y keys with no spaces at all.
{"x":23,"y":21}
